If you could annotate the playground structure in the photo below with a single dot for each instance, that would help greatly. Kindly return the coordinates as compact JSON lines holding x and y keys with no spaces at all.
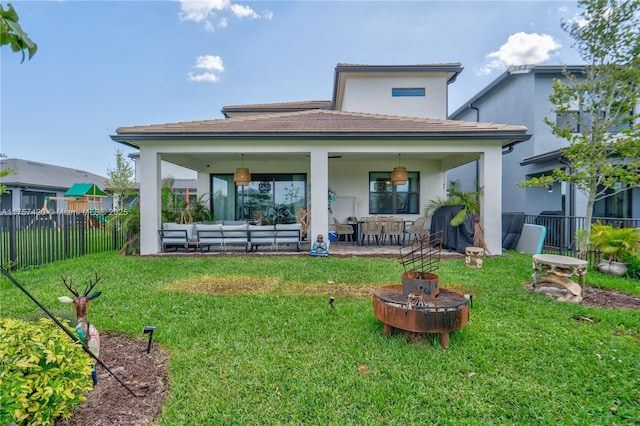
{"x":80,"y":198}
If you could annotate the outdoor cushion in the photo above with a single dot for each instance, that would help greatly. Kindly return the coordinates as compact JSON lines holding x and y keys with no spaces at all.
{"x":189,"y":227}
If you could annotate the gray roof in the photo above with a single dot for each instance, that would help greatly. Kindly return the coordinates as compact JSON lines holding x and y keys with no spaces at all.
{"x":46,"y":176}
{"x":517,"y":70}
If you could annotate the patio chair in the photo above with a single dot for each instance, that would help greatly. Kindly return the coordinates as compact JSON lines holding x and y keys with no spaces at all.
{"x":416,"y":228}
{"x":393,"y":227}
{"x":343,"y":229}
{"x":371,"y":227}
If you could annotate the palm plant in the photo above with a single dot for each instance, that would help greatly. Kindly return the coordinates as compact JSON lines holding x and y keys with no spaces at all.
{"x":615,"y":244}
{"x":470,"y":202}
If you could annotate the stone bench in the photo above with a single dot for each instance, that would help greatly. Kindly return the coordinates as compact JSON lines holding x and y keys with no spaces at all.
{"x":552,"y":276}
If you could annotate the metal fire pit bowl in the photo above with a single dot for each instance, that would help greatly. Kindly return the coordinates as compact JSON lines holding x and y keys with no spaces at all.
{"x":447,"y":312}
{"x":419,"y":304}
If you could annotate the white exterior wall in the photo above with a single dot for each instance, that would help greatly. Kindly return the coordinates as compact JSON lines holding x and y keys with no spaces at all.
{"x":348,"y":176}
{"x":373,"y":95}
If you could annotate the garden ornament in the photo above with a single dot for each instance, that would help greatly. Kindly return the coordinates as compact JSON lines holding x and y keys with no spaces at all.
{"x":87,"y":333}
{"x":65,"y":329}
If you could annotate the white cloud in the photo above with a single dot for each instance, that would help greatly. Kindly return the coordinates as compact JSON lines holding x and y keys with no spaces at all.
{"x":521,"y":49}
{"x":203,"y":10}
{"x":212,"y":66}
{"x":208,"y":77}
{"x":198,"y":11}
{"x":243,"y":11}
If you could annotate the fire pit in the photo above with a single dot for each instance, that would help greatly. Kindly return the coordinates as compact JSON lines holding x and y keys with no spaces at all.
{"x":419,"y":304}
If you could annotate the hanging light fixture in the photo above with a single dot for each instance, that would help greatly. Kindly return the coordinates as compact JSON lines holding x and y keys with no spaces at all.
{"x":399,"y":175}
{"x":242,"y":176}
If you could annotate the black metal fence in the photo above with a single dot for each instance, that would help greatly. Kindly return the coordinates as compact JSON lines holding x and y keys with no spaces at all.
{"x":561,"y":231}
{"x":29,"y":239}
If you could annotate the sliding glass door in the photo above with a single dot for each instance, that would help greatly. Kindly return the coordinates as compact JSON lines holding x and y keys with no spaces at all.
{"x":269,"y":198}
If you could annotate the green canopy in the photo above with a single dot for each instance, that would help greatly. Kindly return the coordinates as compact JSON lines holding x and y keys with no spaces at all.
{"x":84,"y":189}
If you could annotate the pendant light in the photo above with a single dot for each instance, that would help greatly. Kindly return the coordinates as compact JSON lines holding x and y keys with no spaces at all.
{"x":399,"y":175}
{"x":242,"y":176}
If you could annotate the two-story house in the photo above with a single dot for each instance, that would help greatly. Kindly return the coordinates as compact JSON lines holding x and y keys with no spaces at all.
{"x":381,"y":119}
{"x":521,"y":96}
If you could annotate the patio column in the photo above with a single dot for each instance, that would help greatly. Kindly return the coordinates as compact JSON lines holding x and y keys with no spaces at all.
{"x":490,"y":175}
{"x":150,"y":203}
{"x":319,"y":181}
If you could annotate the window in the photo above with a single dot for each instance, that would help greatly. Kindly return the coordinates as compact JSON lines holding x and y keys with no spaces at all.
{"x":407,"y":91}
{"x":268,"y":197}
{"x":616,"y":204}
{"x":580,"y":122}
{"x":386,"y":198}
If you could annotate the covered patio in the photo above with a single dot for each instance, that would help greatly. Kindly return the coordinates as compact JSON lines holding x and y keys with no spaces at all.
{"x":312,"y":151}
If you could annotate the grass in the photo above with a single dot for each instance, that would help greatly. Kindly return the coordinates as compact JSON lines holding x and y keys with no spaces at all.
{"x":252,"y":340}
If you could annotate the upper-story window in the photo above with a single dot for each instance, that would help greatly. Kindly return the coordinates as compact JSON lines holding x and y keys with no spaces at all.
{"x":580,"y":122}
{"x":407,"y":91}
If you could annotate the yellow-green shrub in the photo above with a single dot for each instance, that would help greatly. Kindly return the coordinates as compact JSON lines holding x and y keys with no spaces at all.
{"x":43,"y":373}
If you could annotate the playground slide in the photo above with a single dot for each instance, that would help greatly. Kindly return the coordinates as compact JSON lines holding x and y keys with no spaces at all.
{"x":98,"y":216}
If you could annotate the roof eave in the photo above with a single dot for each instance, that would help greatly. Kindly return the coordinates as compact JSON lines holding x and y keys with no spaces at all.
{"x":129,"y":139}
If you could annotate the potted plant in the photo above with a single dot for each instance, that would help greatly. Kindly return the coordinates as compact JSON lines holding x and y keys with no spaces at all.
{"x":615,"y":245}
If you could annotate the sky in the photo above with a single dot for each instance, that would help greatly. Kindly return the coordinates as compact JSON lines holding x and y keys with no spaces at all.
{"x":101,"y":65}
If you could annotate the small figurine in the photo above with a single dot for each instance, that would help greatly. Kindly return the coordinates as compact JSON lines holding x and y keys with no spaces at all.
{"x":87,"y":333}
{"x":319,"y":247}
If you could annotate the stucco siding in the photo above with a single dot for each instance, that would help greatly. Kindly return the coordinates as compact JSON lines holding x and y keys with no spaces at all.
{"x":373,"y":95}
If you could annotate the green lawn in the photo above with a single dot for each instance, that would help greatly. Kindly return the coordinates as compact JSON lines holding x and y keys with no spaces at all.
{"x":273,"y":352}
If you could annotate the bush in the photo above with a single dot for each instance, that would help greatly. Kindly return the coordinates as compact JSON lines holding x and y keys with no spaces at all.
{"x":43,"y":374}
{"x":633,"y":267}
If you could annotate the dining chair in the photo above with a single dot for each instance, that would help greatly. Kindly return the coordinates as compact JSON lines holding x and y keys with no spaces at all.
{"x":343,"y":229}
{"x":393,"y":227}
{"x":371,"y":227}
{"x":416,"y":229}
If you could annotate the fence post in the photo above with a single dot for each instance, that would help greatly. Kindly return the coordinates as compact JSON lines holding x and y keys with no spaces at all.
{"x":83,"y":223}
{"x":13,"y":254}
{"x":67,"y":231}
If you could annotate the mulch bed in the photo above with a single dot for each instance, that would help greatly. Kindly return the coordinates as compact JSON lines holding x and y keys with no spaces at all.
{"x":109,"y":403}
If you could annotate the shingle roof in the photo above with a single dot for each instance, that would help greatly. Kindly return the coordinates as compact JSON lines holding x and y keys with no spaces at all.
{"x":280,"y":106}
{"x":34,"y":174}
{"x":321,"y":122}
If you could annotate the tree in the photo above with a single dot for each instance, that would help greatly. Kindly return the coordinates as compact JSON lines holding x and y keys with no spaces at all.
{"x":3,"y":173}
{"x":121,"y":179}
{"x":601,"y":104}
{"x":11,"y":33}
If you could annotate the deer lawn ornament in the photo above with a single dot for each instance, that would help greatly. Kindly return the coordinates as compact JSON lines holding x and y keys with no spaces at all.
{"x":86,"y":332}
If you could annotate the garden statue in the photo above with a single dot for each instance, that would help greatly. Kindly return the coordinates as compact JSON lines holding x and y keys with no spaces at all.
{"x":87,"y":333}
{"x":319,"y":247}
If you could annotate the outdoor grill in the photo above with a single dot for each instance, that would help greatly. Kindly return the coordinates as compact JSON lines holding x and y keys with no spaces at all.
{"x":419,"y":304}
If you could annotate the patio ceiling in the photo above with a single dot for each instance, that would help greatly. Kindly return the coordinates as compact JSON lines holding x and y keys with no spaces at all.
{"x":189,"y":159}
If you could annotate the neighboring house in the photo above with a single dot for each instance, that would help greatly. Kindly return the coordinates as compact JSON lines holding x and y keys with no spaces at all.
{"x":182,"y":185}
{"x":380,"y":117}
{"x":521,"y":96}
{"x":33,"y":182}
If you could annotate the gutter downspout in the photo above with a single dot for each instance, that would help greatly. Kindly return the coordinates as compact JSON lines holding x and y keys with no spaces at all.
{"x":477,"y":161}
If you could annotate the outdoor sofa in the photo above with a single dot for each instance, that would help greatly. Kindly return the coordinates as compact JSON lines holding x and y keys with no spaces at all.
{"x":222,"y":235}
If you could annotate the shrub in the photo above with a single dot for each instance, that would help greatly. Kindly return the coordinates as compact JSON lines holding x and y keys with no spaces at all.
{"x":633,"y":267}
{"x":43,"y":374}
